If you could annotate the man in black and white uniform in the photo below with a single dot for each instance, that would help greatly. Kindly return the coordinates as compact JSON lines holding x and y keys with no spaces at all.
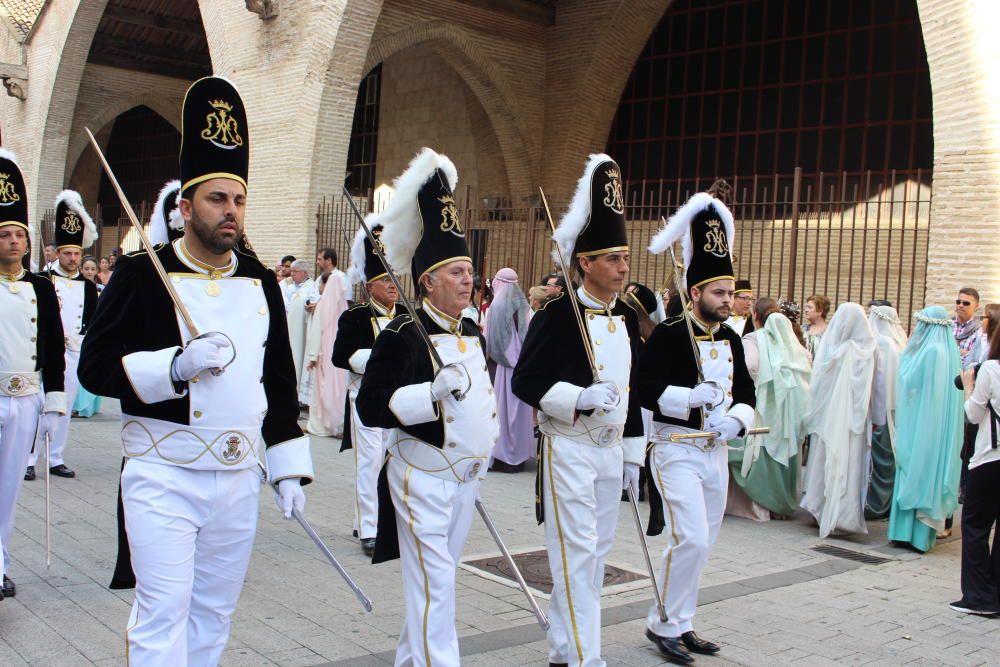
{"x":74,"y":232}
{"x":194,"y":438}
{"x":357,"y":329}
{"x":166,"y":224}
{"x":692,"y":476}
{"x":439,"y":447}
{"x":31,"y":352}
{"x":594,"y":444}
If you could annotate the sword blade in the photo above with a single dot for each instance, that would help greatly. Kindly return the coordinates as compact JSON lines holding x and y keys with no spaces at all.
{"x":697,"y":435}
{"x":543,"y":622}
{"x":48,"y":522}
{"x":365,"y":602}
{"x":645,"y":552}
{"x":364,"y":290}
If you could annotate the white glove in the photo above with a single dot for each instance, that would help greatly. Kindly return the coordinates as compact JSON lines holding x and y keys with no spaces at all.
{"x":200,"y":355}
{"x":598,"y":396}
{"x":727,"y":427}
{"x":630,"y":478}
{"x":704,"y":394}
{"x":49,"y":421}
{"x":450,"y":378}
{"x":289,"y":495}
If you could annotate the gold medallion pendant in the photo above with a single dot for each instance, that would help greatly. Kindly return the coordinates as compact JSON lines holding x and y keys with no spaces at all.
{"x":714,"y":354}
{"x":14,"y":288}
{"x":212,"y":288}
{"x":461,"y":345}
{"x":611,"y":326}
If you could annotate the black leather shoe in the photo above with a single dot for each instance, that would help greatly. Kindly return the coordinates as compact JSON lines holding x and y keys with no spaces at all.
{"x":671,"y":648}
{"x":979,"y":610}
{"x":368,"y":546}
{"x":696,"y":644}
{"x":9,"y":589}
{"x":62,"y":471}
{"x":558,"y":664}
{"x":29,"y":474}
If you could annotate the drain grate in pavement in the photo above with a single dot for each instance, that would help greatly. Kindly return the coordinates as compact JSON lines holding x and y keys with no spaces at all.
{"x":857,"y":556}
{"x":534,"y":567}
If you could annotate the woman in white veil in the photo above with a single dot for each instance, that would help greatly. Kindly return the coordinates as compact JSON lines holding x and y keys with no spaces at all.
{"x":840,"y":424}
{"x":891,"y":339}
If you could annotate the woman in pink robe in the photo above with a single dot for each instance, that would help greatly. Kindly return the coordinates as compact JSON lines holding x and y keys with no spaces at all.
{"x":506,"y":326}
{"x":329,"y":389}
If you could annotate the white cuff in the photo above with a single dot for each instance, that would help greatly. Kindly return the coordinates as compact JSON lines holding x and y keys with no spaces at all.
{"x":289,"y":459}
{"x":412,"y":404}
{"x":560,"y":400}
{"x":673,"y":402}
{"x":634,"y":450}
{"x":742,"y":413}
{"x":359,"y":360}
{"x":55,"y":401}
{"x":149,"y":374}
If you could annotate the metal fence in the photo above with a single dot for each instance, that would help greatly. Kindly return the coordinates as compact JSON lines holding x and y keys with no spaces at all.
{"x":848,"y":236}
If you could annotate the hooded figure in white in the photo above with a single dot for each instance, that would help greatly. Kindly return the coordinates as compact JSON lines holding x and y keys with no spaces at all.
{"x":891,"y":339}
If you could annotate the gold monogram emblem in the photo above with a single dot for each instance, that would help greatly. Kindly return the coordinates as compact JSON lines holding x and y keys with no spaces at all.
{"x":613,"y":192}
{"x":377,"y":233}
{"x":715,"y":240}
{"x":232,"y":451}
{"x":71,"y":223}
{"x":450,"y":221}
{"x":222,"y":130}
{"x":8,"y":195}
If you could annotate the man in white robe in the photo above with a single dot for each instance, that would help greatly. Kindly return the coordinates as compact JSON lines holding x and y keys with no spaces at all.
{"x":299,"y":293}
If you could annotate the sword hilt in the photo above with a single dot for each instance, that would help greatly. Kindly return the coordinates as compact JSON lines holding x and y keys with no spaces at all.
{"x":701,"y":435}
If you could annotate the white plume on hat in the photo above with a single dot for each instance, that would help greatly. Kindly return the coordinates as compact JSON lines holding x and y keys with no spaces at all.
{"x":74,"y":201}
{"x":356,"y":271}
{"x":679,"y":225}
{"x":157,"y":224}
{"x":575,"y":220}
{"x":402,"y":226}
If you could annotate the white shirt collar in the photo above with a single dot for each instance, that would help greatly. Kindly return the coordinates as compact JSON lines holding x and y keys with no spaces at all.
{"x":439,"y":318}
{"x":198,"y":266}
{"x":591,"y":301}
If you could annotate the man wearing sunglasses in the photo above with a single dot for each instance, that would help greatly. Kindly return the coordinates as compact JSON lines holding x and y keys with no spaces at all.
{"x":966,"y":324}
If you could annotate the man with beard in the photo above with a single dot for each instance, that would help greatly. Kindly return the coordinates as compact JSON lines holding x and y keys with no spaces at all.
{"x":714,"y":393}
{"x":32,"y":353}
{"x":357,"y":330}
{"x":74,"y":231}
{"x":197,"y":412}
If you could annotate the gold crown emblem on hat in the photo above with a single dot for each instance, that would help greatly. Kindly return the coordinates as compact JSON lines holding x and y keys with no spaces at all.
{"x":221,"y":104}
{"x":715,"y":240}
{"x":222,"y":129}
{"x":8,"y":195}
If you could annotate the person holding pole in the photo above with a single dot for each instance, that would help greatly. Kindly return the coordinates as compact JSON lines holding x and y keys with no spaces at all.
{"x":697,"y":382}
{"x":576,"y":368}
{"x":427,"y":384}
{"x":201,"y":413}
{"x":32,"y":347}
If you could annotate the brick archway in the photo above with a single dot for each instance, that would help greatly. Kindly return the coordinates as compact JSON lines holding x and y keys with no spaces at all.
{"x":458,"y":48}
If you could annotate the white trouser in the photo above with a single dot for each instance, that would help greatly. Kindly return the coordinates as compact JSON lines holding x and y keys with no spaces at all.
{"x":433,"y":516}
{"x":18,"y":423}
{"x":60,"y":429}
{"x":191,"y":533}
{"x":369,"y":455}
{"x":693,"y":484}
{"x":582,"y":492}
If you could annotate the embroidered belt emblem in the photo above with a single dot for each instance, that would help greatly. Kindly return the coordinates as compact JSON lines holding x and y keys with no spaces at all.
{"x":232,"y":451}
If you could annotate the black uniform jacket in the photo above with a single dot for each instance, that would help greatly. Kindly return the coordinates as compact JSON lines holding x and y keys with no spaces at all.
{"x":50,"y":344}
{"x":668,"y":359}
{"x":399,"y":358}
{"x":135,"y":314}
{"x":89,"y":297}
{"x":553,"y":352}
{"x":355,"y":331}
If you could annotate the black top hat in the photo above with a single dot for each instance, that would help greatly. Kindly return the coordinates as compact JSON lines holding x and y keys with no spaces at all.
{"x":13,"y":195}
{"x":365,"y":264}
{"x":705,"y":228}
{"x":74,"y":226}
{"x":743,"y":286}
{"x":422,"y":227}
{"x":215,"y":138}
{"x":594,"y":224}
{"x":642,"y":297}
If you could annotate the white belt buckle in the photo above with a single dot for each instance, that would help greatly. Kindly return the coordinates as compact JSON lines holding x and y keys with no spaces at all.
{"x":16,"y":384}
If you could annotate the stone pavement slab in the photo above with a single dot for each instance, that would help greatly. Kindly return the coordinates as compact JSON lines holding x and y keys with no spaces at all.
{"x":766,"y":596}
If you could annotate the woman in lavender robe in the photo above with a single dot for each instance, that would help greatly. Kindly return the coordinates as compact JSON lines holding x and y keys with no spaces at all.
{"x":506,"y":326}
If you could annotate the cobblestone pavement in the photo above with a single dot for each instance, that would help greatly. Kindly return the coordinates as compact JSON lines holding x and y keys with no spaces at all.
{"x":767,"y":596}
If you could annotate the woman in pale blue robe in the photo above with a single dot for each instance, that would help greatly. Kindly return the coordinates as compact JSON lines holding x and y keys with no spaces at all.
{"x":929,"y":416}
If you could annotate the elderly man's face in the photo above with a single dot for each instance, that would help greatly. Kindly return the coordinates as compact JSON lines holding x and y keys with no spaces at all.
{"x":298,"y":275}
